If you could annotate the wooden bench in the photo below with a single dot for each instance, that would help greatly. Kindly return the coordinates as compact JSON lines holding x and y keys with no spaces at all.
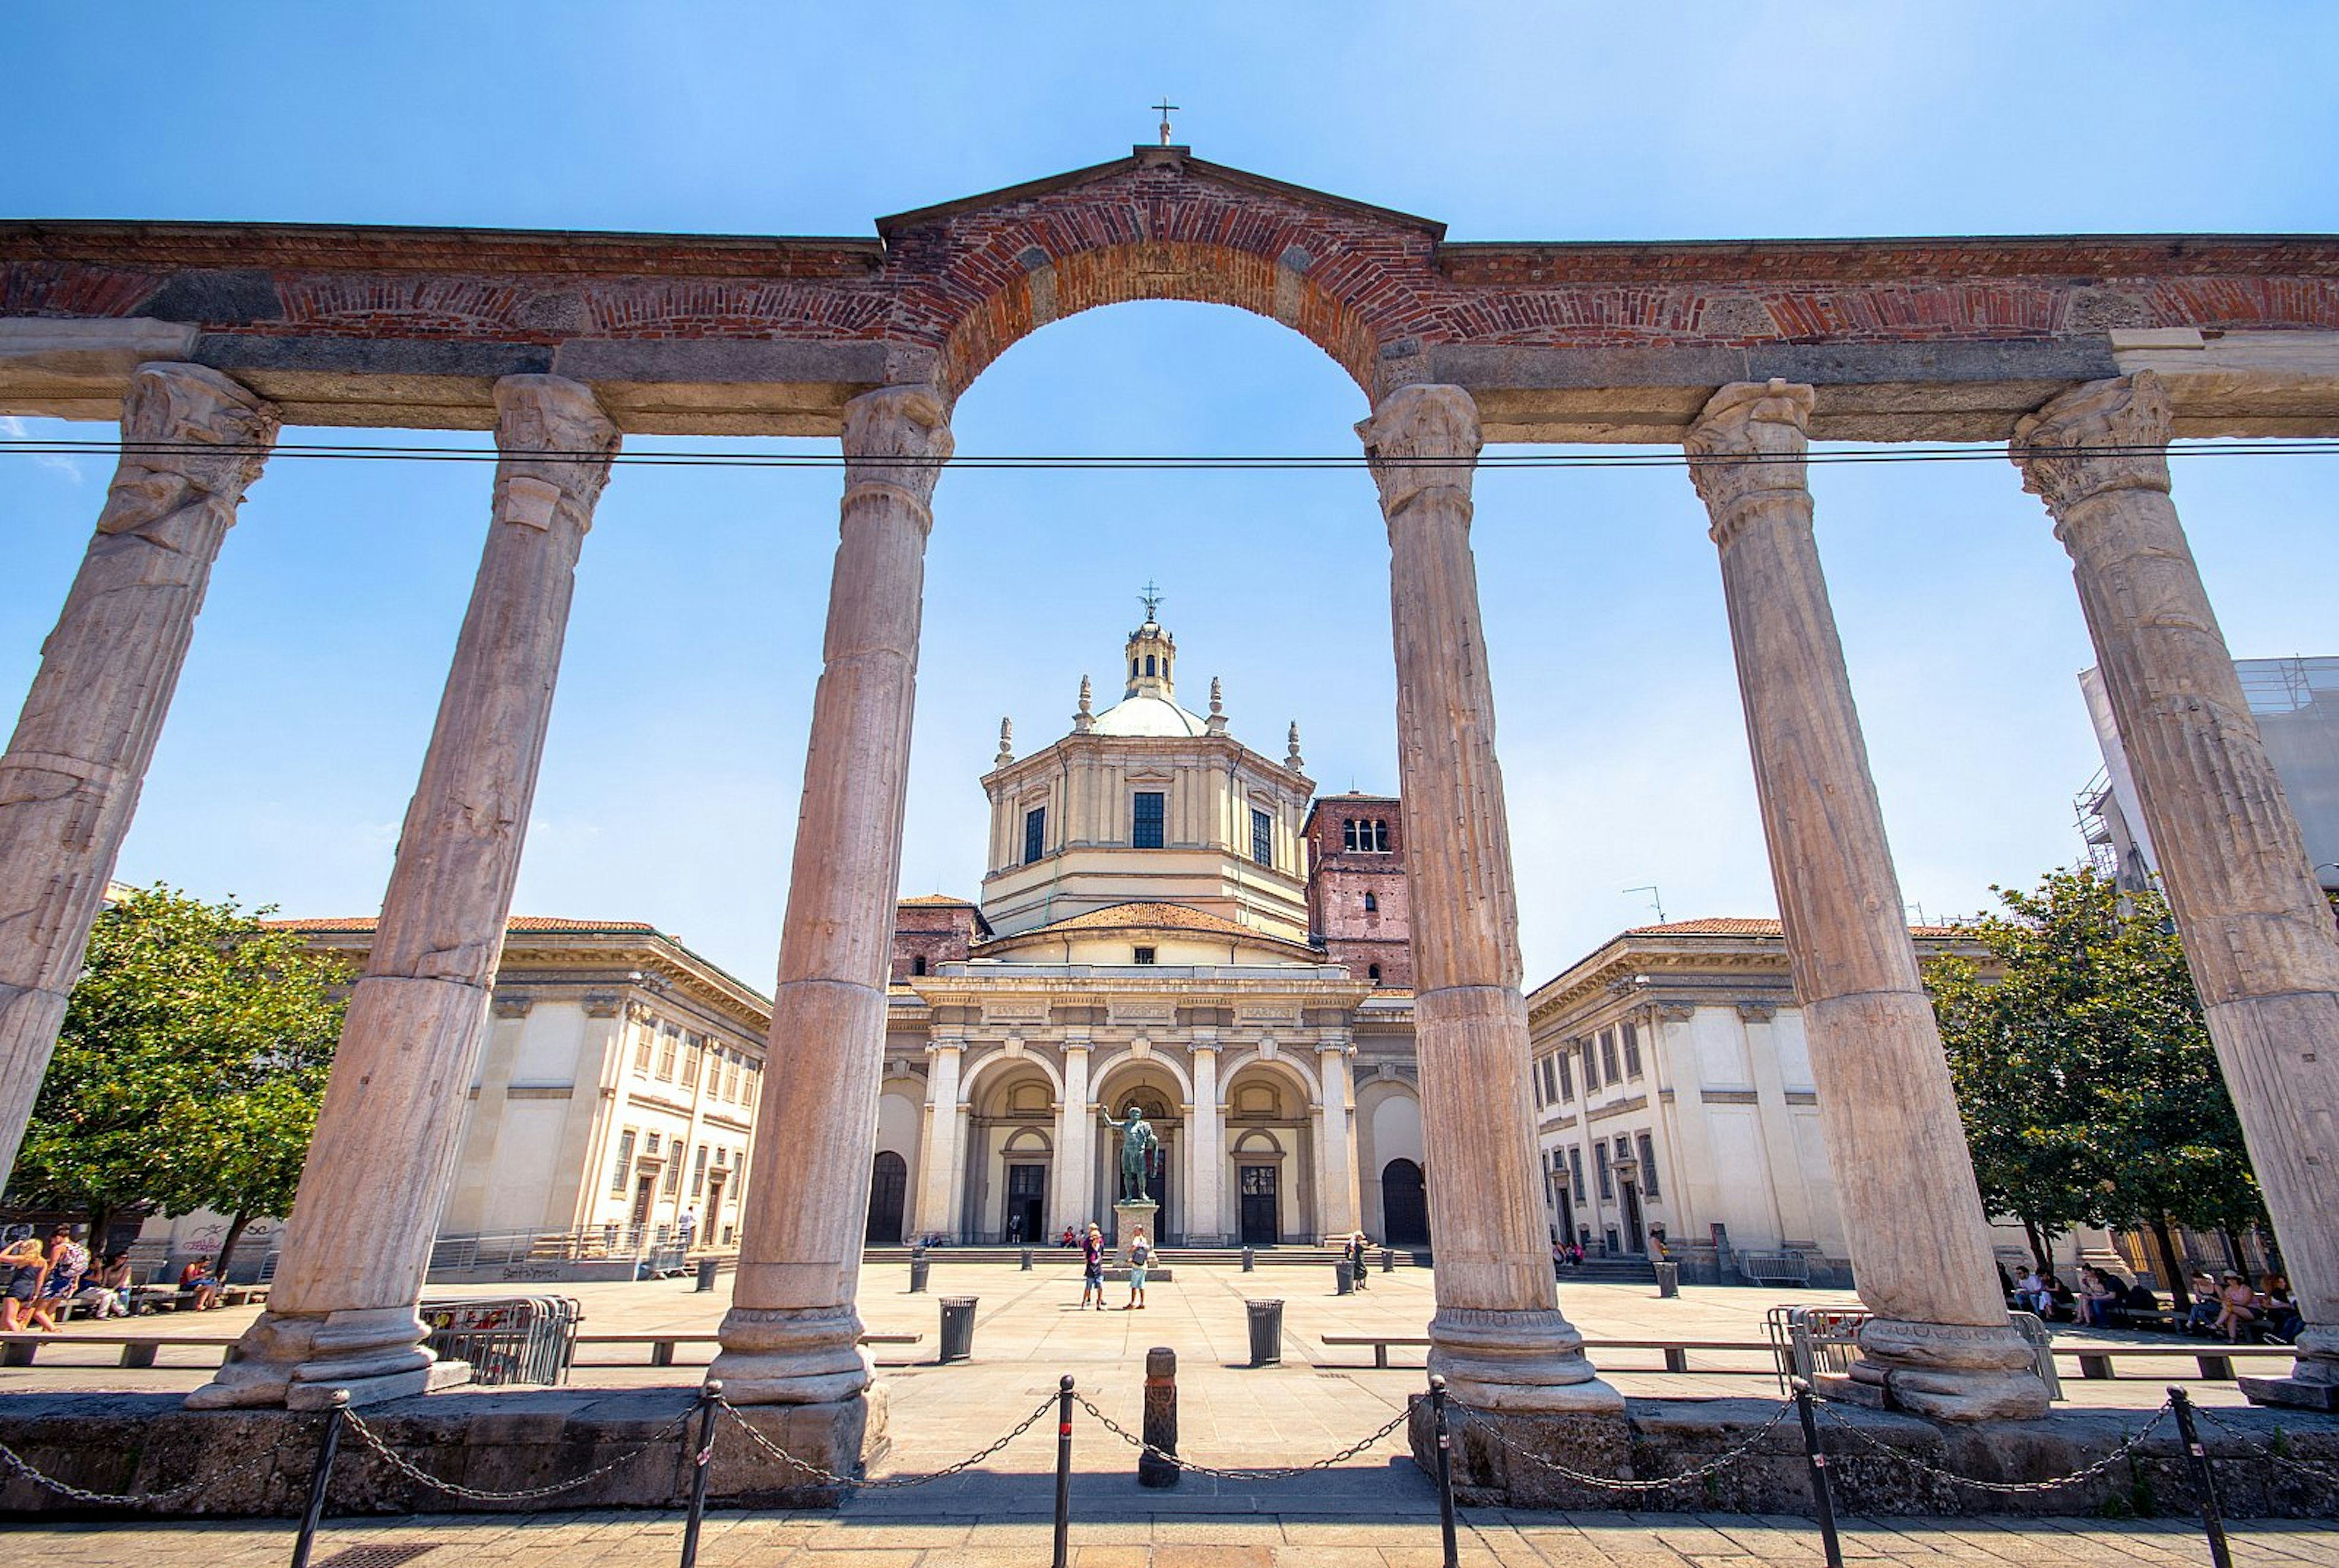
{"x":662,"y":1346}
{"x":1676,"y":1351}
{"x":2216,"y":1365}
{"x":137,"y":1350}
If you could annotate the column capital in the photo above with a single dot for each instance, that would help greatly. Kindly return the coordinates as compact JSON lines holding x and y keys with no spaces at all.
{"x":1749,"y":442}
{"x":1421,"y":439}
{"x":897,"y":439}
{"x":2108,"y":434}
{"x":555,"y":444}
{"x":224,"y":432}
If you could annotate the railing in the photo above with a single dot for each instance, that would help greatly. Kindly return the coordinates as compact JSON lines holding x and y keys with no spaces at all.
{"x":661,"y":1245}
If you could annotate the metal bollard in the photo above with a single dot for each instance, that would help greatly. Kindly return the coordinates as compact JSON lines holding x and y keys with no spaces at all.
{"x":1823,"y":1490}
{"x":1444,"y":1470}
{"x":919,"y":1266}
{"x":321,"y":1477}
{"x":1250,"y":1260}
{"x":1388,"y":1260}
{"x":707,"y":1270}
{"x":1159,"y":1468}
{"x":1027,"y":1260}
{"x":2212,"y":1520}
{"x":1063,"y":1472}
{"x":702,"y":1465}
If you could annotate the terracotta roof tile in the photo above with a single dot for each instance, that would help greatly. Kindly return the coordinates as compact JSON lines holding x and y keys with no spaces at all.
{"x":1157,"y":915}
{"x":938,"y":900}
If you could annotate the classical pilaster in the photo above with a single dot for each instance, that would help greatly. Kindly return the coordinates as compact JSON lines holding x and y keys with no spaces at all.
{"x":1206,"y":1155}
{"x":1940,"y":1344}
{"x":791,"y":1336}
{"x":1075,"y":1142}
{"x":342,"y":1311}
{"x":1497,"y":1337}
{"x":1336,"y":1183}
{"x":2258,"y":934}
{"x":939,"y":1159}
{"x":194,"y":442}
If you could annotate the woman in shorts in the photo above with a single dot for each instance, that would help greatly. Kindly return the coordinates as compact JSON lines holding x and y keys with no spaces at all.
{"x":1140,"y":1255}
{"x":22,"y":1262}
{"x":1091,"y":1269}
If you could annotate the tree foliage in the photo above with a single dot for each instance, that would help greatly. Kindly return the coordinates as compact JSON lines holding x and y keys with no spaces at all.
{"x":190,"y":1067}
{"x":2090,"y":1092}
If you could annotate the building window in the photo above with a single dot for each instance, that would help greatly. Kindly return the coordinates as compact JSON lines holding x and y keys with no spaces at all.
{"x":652,"y":1144}
{"x":1600,"y":1159}
{"x":1365,"y":837}
{"x":1373,"y":973}
{"x":1534,"y":1082}
{"x":1575,"y":1174}
{"x":1262,"y":837}
{"x":1608,"y":1056}
{"x":694,"y":1053}
{"x":698,"y":1173}
{"x":642,"y":1049}
{"x":625,"y":1161}
{"x":1144,"y":955}
{"x":1591,"y":1069}
{"x":1632,"y":1051}
{"x":1372,"y":904}
{"x":674,"y":1171}
{"x":1550,"y":1082}
{"x":1145,"y":820}
{"x":1149,"y":664}
{"x":1648,"y":1167}
{"x":669,"y":1043}
{"x":918,"y":964}
{"x":1566,"y":1077}
{"x":1035,"y":833}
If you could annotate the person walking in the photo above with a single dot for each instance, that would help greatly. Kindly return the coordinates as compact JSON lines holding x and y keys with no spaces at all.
{"x":1091,"y":1267}
{"x":1140,"y":1255}
{"x":1357,"y":1248}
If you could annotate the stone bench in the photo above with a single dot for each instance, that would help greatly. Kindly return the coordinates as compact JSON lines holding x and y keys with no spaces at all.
{"x":662,"y":1346}
{"x":1676,"y":1351}
{"x":137,"y":1350}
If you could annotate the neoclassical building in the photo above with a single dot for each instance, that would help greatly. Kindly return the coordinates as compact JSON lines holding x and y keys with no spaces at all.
{"x":1169,"y":920}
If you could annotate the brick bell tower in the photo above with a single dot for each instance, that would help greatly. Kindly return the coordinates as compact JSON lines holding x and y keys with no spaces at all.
{"x":1358,"y":904}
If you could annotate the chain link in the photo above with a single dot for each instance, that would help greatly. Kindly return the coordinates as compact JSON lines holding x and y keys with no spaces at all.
{"x":890,"y":1483}
{"x":22,"y":1467}
{"x":1282,"y":1473}
{"x":2007,"y":1488}
{"x":1485,"y":1420}
{"x":408,"y":1468}
{"x":2261,"y":1450}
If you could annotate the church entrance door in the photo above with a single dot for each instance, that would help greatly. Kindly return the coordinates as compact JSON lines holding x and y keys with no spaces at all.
{"x":889,"y":1188}
{"x":1405,"y":1206}
{"x":1027,"y":1205}
{"x":1262,"y":1219}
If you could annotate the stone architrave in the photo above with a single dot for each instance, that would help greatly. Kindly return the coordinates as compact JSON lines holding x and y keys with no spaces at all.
{"x":342,"y":1310}
{"x":1940,"y":1344}
{"x":194,"y":442}
{"x":2258,"y":933}
{"x":791,"y":1336}
{"x":1498,"y":1336}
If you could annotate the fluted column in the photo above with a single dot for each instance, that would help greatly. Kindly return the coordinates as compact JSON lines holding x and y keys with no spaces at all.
{"x":342,"y":1310}
{"x":1498,"y":1335}
{"x":1940,"y":1344}
{"x":938,"y":1161}
{"x":793,"y":1335}
{"x":1206,"y":1157}
{"x":2257,"y":931}
{"x":69,"y":782}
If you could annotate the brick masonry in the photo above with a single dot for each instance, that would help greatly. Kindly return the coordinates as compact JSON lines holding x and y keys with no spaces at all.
{"x":1339,"y":878}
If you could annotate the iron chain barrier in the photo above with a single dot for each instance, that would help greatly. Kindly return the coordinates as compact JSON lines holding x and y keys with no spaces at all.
{"x":1487,"y":1421}
{"x":890,"y":1483}
{"x":416,"y":1474}
{"x":2001,"y":1488}
{"x":1279,"y":1472}
{"x":15,"y":1462}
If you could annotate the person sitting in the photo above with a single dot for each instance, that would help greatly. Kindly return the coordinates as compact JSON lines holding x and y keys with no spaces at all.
{"x":1069,"y":1238}
{"x":105,"y":1290}
{"x":2031,"y":1293}
{"x":2239,"y":1307}
{"x":2280,"y":1311}
{"x":2202,"y":1316}
{"x":2139,"y":1305}
{"x":198,"y":1287}
{"x":2098,"y":1294}
{"x":22,"y":1262}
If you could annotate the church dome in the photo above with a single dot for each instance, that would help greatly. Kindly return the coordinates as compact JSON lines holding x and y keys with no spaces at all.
{"x":1148,"y":715}
{"x":1149,"y":704}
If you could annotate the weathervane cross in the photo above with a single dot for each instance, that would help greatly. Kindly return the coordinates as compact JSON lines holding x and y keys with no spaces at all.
{"x":1168,"y":109}
{"x":1150,"y":598}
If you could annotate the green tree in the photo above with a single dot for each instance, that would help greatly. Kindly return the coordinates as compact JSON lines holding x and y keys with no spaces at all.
{"x":189,"y":1069}
{"x":2090,"y":1092}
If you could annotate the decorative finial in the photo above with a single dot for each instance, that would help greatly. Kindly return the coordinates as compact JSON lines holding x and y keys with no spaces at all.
{"x":1088,"y":694}
{"x":1217,"y":697}
{"x":1217,"y":723}
{"x":1151,"y":599}
{"x":1294,"y":760}
{"x":1006,"y":744}
{"x":1085,"y":720}
{"x":1166,"y":109}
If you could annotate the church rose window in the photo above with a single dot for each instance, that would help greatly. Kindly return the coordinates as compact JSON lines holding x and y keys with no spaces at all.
{"x":1262,"y":837}
{"x":1035,"y":833}
{"x":1145,"y":830}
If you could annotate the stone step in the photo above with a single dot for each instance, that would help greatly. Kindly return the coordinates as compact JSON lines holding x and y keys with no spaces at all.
{"x":1228,"y":1257}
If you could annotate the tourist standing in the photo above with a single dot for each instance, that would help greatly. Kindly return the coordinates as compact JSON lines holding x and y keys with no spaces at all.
{"x":21,"y":1264}
{"x":1357,"y":1248}
{"x":1140,"y":1255}
{"x":1092,"y":1267}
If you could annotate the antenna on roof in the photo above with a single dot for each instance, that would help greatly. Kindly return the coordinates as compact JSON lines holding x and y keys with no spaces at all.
{"x":1657,"y":899}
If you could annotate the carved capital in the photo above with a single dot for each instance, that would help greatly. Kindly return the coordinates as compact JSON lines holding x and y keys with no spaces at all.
{"x":555,"y":445}
{"x":223,"y":433}
{"x":1748,"y":445}
{"x":1419,"y":440}
{"x":1757,"y":1011}
{"x":600,"y":1004}
{"x":897,"y":439}
{"x":514,"y":1006}
{"x":2104,"y":436}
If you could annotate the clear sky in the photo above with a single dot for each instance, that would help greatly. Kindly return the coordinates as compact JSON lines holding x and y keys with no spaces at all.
{"x":670,"y":783}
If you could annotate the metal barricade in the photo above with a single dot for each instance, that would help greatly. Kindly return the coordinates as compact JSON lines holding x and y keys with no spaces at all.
{"x":1808,"y":1341}
{"x":507,"y":1340}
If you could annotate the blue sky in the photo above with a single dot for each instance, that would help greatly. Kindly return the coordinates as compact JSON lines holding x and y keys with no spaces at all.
{"x":677,"y":748}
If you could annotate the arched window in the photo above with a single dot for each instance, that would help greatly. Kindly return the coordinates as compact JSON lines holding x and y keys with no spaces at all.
{"x":1371,"y":903}
{"x":1149,"y":664}
{"x":1373,"y":973}
{"x":918,"y":964}
{"x":1133,"y":669}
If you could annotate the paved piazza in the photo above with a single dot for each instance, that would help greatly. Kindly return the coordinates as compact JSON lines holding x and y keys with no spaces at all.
{"x":1374,"y":1510}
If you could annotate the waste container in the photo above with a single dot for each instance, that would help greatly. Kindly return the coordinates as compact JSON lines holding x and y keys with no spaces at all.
{"x":1344,"y":1277}
{"x":1251,"y":1259}
{"x":1027,"y":1260}
{"x":706,"y":1272}
{"x":958,"y":1327}
{"x":1266,"y":1333}
{"x":1388,"y":1260}
{"x":919,"y":1265}
{"x":1668,"y":1279}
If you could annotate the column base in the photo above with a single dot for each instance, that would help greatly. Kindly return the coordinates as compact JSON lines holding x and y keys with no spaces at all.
{"x":1527,"y":1360}
{"x":300,"y":1361}
{"x":791,"y":1355}
{"x":2314,"y":1380}
{"x":1944,"y":1372}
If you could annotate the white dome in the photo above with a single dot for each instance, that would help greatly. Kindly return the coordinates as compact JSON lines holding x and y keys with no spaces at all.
{"x":1148,"y":715}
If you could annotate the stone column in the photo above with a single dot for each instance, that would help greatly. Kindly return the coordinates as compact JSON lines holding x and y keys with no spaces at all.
{"x":1206,"y":1159}
{"x":2258,"y":934}
{"x":937,"y":1161}
{"x":1075,"y":1142}
{"x":1498,"y":1335}
{"x":1940,"y":1344}
{"x":793,"y":1335}
{"x":69,"y":782}
{"x":1335,"y":1182}
{"x":342,"y":1310}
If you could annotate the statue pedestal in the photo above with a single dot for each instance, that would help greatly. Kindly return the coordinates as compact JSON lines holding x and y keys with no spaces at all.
{"x":1128,"y":1216}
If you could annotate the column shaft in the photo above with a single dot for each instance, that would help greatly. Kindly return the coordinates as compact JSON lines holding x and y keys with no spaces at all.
{"x":1075,"y":1143}
{"x":939,"y":1159}
{"x":1336,"y":1175}
{"x":1940,"y":1342}
{"x":2259,"y":933}
{"x":342,"y":1311}
{"x":791,"y":1334}
{"x":69,"y":782}
{"x":1498,"y":1335}
{"x":1206,"y":1159}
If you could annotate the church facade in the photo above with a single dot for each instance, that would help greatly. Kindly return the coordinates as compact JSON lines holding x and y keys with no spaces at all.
{"x":1171,"y":921}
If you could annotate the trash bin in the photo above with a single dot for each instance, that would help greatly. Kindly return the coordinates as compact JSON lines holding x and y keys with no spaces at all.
{"x":958,"y":1327}
{"x":1251,"y":1259}
{"x":706,"y":1272}
{"x":1027,"y":1260}
{"x":1344,"y":1277}
{"x":919,"y":1265}
{"x":1266,"y":1333}
{"x":1668,"y":1279}
{"x":1388,"y":1260}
